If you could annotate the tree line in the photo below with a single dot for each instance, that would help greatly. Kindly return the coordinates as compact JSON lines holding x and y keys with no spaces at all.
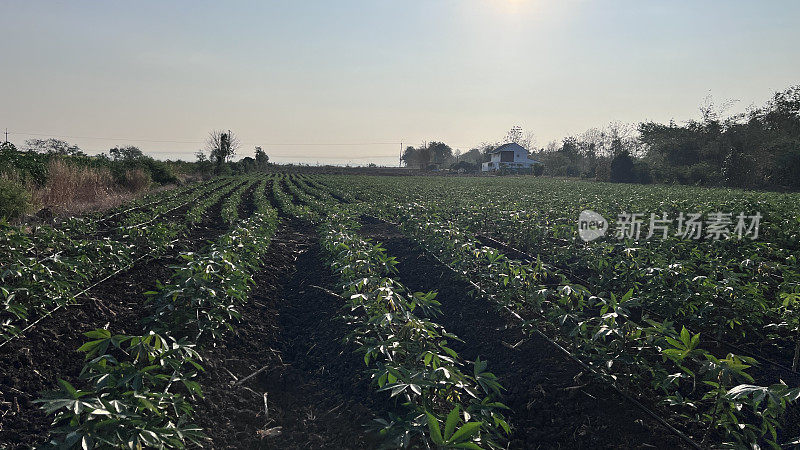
{"x":756,"y":149}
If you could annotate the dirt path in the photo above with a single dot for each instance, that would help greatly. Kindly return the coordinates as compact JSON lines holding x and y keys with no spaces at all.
{"x":552,"y":404}
{"x":316,"y":394}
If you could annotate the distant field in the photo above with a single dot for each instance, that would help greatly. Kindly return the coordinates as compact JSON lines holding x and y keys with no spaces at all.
{"x":306,"y":311}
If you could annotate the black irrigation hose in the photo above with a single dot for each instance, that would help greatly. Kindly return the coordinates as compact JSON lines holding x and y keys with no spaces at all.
{"x":688,"y":440}
{"x":735,"y":347}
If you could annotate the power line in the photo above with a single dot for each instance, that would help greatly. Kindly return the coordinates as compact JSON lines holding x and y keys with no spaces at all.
{"x":187,"y":141}
{"x":107,"y":138}
{"x":259,"y":143}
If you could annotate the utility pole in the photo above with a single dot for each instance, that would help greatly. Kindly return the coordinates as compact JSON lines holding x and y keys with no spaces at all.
{"x":6,"y":141}
{"x":401,"y":156}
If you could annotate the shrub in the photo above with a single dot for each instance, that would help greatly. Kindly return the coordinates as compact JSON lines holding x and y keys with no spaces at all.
{"x":622,"y":168}
{"x":787,"y":168}
{"x":68,"y":183}
{"x":23,"y":166}
{"x":465,"y":166}
{"x":14,"y":199}
{"x":703,"y":174}
{"x":136,"y":180}
{"x":641,"y":171}
{"x":160,"y":172}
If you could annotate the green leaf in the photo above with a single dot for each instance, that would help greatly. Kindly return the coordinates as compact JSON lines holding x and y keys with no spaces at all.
{"x":452,"y":421}
{"x":68,"y":387}
{"x":99,"y":333}
{"x":469,"y":445}
{"x":433,"y":429}
{"x":685,"y":337}
{"x":467,"y":431}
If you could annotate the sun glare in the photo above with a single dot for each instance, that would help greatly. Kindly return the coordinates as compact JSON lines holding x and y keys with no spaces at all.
{"x":517,"y":6}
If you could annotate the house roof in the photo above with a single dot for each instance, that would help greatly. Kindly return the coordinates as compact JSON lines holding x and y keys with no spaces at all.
{"x":509,"y":147}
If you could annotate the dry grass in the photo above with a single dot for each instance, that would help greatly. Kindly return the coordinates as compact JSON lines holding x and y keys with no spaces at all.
{"x":75,"y":189}
{"x":136,"y":180}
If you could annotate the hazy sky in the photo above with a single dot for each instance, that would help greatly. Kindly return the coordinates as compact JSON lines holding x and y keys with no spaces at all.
{"x":377,"y":73}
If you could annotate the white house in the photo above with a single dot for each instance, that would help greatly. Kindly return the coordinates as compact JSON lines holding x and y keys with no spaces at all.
{"x":509,"y":156}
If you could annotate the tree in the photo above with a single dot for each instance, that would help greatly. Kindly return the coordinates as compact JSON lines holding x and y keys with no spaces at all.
{"x":203,"y":165}
{"x":7,"y":147}
{"x":427,"y":154}
{"x":221,"y":146}
{"x":125,"y":153}
{"x":514,"y":134}
{"x":53,"y":147}
{"x":570,"y":148}
{"x":622,"y":168}
{"x":473,"y":156}
{"x":419,"y":157}
{"x":439,"y":152}
{"x":518,"y":136}
{"x":262,"y":159}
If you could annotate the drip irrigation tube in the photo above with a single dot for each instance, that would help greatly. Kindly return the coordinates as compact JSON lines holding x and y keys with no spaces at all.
{"x":685,"y":438}
{"x":735,"y":347}
{"x":87,"y":289}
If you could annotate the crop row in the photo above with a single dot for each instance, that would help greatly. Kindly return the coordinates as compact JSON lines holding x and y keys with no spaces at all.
{"x":230,"y":208}
{"x":321,"y":193}
{"x":729,"y":290}
{"x":32,"y":287}
{"x":407,"y":353}
{"x":610,"y":330}
{"x":47,"y":241}
{"x":447,"y":402}
{"x":129,"y":395}
{"x":657,"y":358}
{"x":745,"y":291}
{"x":287,"y":205}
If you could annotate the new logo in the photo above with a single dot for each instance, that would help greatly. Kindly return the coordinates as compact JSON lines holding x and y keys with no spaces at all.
{"x":591,"y":225}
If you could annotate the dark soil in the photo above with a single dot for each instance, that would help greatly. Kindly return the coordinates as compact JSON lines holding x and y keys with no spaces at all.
{"x":553,"y":404}
{"x":315,"y":392}
{"x":765,"y":372}
{"x":35,"y":361}
{"x":246,"y":206}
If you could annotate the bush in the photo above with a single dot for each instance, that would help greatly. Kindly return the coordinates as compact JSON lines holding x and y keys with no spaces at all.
{"x":603,"y":169}
{"x":160,"y":172}
{"x":223,"y":170}
{"x":787,"y":167}
{"x":622,"y":170}
{"x":14,"y":199}
{"x":703,"y":174}
{"x":465,"y":166}
{"x":157,"y":171}
{"x":642,"y":171}
{"x":136,"y":180}
{"x":69,"y":183}
{"x":23,"y":166}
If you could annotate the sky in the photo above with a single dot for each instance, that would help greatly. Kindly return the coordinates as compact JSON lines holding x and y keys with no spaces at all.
{"x":350,"y":81}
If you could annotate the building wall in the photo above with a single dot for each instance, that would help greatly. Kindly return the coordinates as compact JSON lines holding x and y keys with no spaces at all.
{"x":497,"y":162}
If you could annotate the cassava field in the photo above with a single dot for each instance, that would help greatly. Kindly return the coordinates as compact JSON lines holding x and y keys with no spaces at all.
{"x":328,"y":311}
